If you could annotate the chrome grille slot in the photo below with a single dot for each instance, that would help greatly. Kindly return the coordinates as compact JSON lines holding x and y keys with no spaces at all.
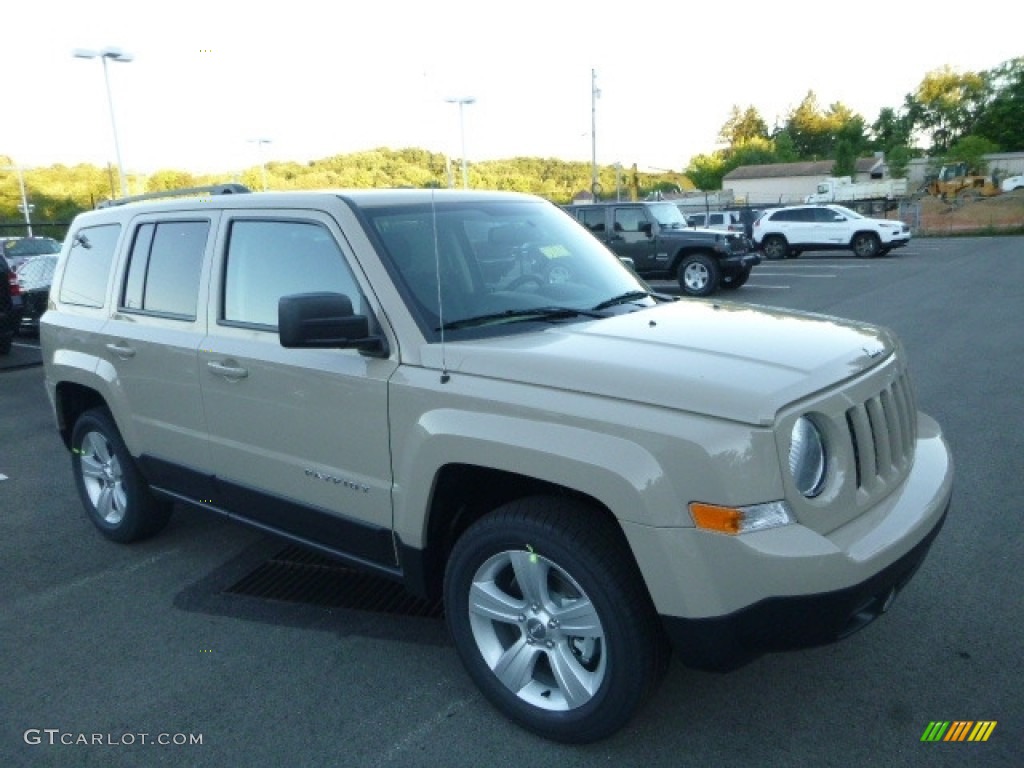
{"x":882,"y":430}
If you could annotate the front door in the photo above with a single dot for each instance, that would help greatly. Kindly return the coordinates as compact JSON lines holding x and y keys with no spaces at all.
{"x":298,"y":437}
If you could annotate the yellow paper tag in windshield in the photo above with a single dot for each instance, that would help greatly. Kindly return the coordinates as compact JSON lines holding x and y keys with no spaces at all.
{"x":554,"y":251}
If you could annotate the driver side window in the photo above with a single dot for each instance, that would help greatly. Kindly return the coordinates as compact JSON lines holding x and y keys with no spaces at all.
{"x":270,"y":259}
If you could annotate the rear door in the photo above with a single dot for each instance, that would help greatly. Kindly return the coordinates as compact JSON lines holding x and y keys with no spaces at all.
{"x":298,"y":437}
{"x":150,"y":342}
{"x":801,"y":227}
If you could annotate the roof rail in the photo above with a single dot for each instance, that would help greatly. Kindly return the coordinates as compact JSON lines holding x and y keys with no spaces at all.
{"x":213,"y":189}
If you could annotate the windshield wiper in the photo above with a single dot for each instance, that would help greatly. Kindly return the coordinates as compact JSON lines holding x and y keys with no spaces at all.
{"x":520,"y":315}
{"x":625,"y":298}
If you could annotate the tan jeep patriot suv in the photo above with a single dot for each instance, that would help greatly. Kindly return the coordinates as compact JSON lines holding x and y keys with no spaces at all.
{"x":467,"y":393}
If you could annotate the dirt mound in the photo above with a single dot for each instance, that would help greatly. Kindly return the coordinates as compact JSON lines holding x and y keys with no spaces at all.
{"x":982,"y":216}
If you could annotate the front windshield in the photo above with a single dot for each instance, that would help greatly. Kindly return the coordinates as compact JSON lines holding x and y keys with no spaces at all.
{"x":667,"y":215}
{"x":847,"y":212}
{"x":485,"y":267}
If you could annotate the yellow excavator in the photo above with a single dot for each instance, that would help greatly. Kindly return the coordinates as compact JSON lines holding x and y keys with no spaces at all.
{"x":954,"y":183}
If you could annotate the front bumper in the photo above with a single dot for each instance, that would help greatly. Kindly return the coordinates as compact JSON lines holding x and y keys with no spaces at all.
{"x":726,"y":596}
{"x":785,"y":623}
{"x":741,"y":260}
{"x":900,"y":240}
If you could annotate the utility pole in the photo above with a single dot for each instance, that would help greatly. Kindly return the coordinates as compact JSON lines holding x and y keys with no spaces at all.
{"x":595,"y":94}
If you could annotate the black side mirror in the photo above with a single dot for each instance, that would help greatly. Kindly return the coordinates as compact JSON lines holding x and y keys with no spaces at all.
{"x":318,"y":320}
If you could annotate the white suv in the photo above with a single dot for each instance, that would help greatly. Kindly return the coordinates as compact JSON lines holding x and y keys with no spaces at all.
{"x":785,"y":232}
{"x":467,"y":393}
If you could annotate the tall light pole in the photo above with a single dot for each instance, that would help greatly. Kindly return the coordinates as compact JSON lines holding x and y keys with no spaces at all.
{"x":595,"y":94}
{"x":25,"y":207}
{"x":114,"y":54}
{"x":263,"y":163}
{"x":462,"y":101}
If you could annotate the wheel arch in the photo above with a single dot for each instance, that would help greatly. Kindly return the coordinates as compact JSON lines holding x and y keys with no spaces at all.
{"x":690,"y":250}
{"x":869,"y":232}
{"x":71,"y":400}
{"x":462,"y":495}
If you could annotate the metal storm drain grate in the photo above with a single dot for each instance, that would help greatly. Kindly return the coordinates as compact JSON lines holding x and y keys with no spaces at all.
{"x":299,"y":575}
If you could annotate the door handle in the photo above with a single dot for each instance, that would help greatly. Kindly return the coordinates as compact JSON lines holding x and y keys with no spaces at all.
{"x":122,"y":350}
{"x":233,"y":372}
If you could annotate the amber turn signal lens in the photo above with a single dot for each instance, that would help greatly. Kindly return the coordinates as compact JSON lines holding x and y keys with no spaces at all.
{"x":715,"y":518}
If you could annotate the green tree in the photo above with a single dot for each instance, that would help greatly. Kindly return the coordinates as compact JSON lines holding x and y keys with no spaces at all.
{"x":807,"y":127}
{"x":162,"y":180}
{"x":1002,"y":119}
{"x":898,"y":159}
{"x":816,"y":132}
{"x":742,"y":127}
{"x":706,"y":171}
{"x":785,"y":149}
{"x":945,"y":106}
{"x":892,"y":129}
{"x":846,"y":159}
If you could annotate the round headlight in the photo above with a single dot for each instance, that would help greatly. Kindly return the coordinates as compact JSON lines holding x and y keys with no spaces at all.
{"x":807,"y":459}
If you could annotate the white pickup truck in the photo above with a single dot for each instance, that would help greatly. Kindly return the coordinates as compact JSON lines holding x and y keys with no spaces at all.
{"x":843,"y":189}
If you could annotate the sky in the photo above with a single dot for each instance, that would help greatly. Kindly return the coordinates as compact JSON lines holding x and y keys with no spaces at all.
{"x":319,"y":79}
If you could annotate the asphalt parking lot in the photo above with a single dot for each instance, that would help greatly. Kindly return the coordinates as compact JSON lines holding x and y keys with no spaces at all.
{"x":167,"y":641}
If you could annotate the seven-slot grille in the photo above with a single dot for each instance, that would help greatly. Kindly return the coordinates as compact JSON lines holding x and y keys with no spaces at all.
{"x":883,"y":431}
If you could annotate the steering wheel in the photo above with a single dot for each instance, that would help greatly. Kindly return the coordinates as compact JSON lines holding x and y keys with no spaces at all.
{"x":522,"y":280}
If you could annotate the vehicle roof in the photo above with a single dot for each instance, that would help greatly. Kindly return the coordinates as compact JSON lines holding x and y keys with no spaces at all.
{"x":297,"y":198}
{"x":601,"y":203}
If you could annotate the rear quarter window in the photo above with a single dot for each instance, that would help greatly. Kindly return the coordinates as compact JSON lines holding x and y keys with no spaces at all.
{"x":87,"y":271}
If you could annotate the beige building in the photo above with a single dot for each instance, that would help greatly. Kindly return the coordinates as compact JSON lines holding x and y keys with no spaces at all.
{"x":789,"y":183}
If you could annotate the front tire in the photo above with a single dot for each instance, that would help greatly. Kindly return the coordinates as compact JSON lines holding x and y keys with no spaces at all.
{"x":551,"y":619}
{"x":699,"y":275}
{"x":735,"y":280}
{"x":866,"y":245}
{"x":114,"y":494}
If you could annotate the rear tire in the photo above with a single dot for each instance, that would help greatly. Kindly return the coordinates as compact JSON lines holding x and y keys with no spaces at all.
{"x":552,"y":620}
{"x":114,"y":494}
{"x":699,"y":275}
{"x":775,"y":247}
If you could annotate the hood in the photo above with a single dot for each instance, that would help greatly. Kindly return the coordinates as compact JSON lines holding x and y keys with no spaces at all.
{"x":690,"y":231}
{"x":729,"y":361}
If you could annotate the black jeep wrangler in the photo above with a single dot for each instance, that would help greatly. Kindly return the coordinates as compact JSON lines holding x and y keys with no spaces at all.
{"x":656,"y":236}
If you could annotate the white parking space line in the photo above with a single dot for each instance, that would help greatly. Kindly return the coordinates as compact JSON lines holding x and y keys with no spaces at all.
{"x":795,"y":274}
{"x":813,"y":266}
